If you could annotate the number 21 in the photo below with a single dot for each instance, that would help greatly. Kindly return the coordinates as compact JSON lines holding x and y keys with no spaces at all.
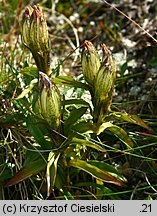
{"x":146,"y":208}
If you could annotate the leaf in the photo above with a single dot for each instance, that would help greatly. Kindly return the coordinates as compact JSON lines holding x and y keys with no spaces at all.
{"x":95,"y":172}
{"x":27,"y":171}
{"x":69,"y":81}
{"x":117,"y":131}
{"x":108,"y":168}
{"x":124,"y":67}
{"x":129,"y":118}
{"x":11,"y":119}
{"x":31,"y":155}
{"x":30,"y":71}
{"x":51,"y":171}
{"x":74,"y":116}
{"x":68,"y":195}
{"x":83,"y":127}
{"x":38,"y":131}
{"x":28,"y":89}
{"x":5,"y":173}
{"x":76,"y":101}
{"x":87,"y":143}
{"x":60,"y":180}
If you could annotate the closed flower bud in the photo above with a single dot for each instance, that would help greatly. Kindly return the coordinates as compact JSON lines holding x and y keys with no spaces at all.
{"x":26,"y":26}
{"x":48,"y":104}
{"x":104,"y":85}
{"x":35,"y":37}
{"x":90,"y":62}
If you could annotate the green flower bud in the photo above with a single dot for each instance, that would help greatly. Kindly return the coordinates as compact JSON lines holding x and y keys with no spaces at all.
{"x":90,"y":62}
{"x":26,"y":26}
{"x":35,"y":37}
{"x":104,"y":85}
{"x":48,"y":104}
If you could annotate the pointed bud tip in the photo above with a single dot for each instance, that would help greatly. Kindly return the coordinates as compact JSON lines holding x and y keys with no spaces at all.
{"x":35,"y":36}
{"x":37,"y":13}
{"x":90,"y":62}
{"x":89,"y":46}
{"x":105,"y":49}
{"x":107,"y":60}
{"x":48,"y":104}
{"x":45,"y":81}
{"x":28,"y":12}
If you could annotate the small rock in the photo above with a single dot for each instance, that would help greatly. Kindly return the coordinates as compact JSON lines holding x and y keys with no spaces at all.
{"x":144,"y":98}
{"x":119,"y":98}
{"x":134,"y":90}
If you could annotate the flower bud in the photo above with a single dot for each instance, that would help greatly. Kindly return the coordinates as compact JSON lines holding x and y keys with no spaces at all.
{"x":48,"y":104}
{"x":104,"y":85}
{"x":35,"y":37}
{"x":26,"y":26}
{"x":90,"y":62}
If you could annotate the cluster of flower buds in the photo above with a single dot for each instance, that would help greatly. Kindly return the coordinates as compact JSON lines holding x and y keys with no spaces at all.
{"x":48,"y":104}
{"x":35,"y":37}
{"x":101,"y":76}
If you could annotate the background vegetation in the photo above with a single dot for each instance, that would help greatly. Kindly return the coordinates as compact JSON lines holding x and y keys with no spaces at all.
{"x":86,"y":164}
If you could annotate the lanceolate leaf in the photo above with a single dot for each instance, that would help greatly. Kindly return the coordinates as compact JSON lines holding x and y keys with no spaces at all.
{"x":69,"y":81}
{"x":27,"y":171}
{"x":76,"y":101}
{"x":51,"y":171}
{"x":117,"y":131}
{"x":129,"y":118}
{"x":30,"y":71}
{"x":95,"y":172}
{"x":38,"y":131}
{"x":28,"y":89}
{"x":83,"y":127}
{"x":108,"y":168}
{"x":60,"y":179}
{"x":87,"y":143}
{"x":74,"y":116}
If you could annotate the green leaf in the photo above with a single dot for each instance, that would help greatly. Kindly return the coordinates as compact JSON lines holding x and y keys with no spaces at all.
{"x":60,"y":180}
{"x":51,"y":171}
{"x":76,"y":101}
{"x":117,"y":131}
{"x":11,"y":119}
{"x":124,"y":67}
{"x":69,"y":81}
{"x":30,"y":71}
{"x":129,"y":118}
{"x":32,"y":154}
{"x":27,"y":171}
{"x":83,"y":127}
{"x":5,"y":173}
{"x":68,"y":195}
{"x":74,"y":116}
{"x":95,"y":172}
{"x":38,"y":131}
{"x":28,"y":89}
{"x":108,"y":168}
{"x":87,"y":143}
